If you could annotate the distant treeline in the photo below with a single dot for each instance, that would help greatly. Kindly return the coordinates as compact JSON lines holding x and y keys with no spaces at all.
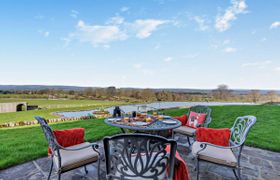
{"x":221,"y":93}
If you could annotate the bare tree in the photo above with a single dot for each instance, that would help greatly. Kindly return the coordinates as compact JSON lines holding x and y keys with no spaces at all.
{"x":89,"y":91}
{"x":222,"y":92}
{"x":111,"y":91}
{"x":254,"y":95}
{"x":272,"y":96}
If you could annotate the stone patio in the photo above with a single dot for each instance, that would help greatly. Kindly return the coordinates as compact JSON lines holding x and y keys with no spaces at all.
{"x":256,"y":164}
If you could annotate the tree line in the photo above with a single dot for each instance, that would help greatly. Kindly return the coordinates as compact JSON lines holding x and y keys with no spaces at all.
{"x":221,"y":93}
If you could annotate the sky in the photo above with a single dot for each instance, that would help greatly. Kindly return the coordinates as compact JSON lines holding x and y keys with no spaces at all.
{"x":146,"y":44}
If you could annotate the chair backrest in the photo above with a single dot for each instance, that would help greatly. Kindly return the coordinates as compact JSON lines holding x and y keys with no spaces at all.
{"x":139,"y":156}
{"x":202,"y":109}
{"x":240,"y":129}
{"x":48,"y":133}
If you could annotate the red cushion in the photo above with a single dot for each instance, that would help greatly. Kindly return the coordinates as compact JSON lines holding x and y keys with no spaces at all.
{"x":69,"y":137}
{"x":196,"y":119}
{"x":214,"y":136}
{"x":182,"y":118}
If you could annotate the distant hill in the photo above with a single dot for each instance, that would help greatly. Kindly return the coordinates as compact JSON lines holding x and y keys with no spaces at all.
{"x":39,"y":87}
{"x":80,"y":88}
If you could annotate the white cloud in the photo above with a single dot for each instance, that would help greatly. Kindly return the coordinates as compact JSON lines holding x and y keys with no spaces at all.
{"x":227,"y":41}
{"x":145,"y":27}
{"x":230,"y":50}
{"x":117,"y":20}
{"x":277,"y":69}
{"x":168,"y":59}
{"x":137,"y":66}
{"x":124,"y":9}
{"x":44,"y":33}
{"x":275,"y":24}
{"x":157,"y":46}
{"x":191,"y":56}
{"x":74,"y":14}
{"x":223,"y":22}
{"x":263,"y":39}
{"x":115,"y":29}
{"x":261,"y":64}
{"x":39,"y":17}
{"x":202,"y":23}
{"x":98,"y":34}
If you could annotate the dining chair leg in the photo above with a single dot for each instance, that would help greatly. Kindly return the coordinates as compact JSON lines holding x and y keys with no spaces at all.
{"x":189,"y":141}
{"x":239,"y":173}
{"x":49,"y":176}
{"x":235,"y":174}
{"x":197,"y":169}
{"x":59,"y":176}
{"x":86,"y":169}
{"x":98,"y":169}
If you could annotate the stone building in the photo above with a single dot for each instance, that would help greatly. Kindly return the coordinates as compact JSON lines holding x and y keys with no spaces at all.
{"x":13,"y":107}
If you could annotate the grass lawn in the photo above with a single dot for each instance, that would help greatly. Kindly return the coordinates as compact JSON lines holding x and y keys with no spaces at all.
{"x":53,"y":106}
{"x":23,"y":144}
{"x":265,"y":133}
{"x":18,"y":145}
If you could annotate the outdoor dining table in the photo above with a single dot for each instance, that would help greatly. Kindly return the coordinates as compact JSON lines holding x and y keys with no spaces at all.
{"x":155,"y":127}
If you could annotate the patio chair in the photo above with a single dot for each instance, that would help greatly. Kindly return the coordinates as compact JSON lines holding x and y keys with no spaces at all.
{"x":225,"y":155}
{"x":189,"y":131}
{"x":69,"y":158}
{"x":139,"y":156}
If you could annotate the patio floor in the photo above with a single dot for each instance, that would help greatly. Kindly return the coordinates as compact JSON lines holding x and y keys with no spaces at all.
{"x":256,"y":164}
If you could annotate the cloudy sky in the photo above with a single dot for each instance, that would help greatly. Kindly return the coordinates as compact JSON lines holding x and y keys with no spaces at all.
{"x":147,"y":43}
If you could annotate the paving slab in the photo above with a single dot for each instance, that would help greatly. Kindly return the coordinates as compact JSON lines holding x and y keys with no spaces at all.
{"x":255,"y":164}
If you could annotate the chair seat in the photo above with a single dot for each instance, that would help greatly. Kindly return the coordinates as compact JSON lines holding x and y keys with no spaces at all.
{"x":74,"y":159}
{"x":185,"y":130}
{"x":215,"y":155}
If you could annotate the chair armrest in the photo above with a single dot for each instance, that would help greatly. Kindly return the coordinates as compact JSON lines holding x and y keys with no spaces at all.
{"x":203,"y":146}
{"x":94,"y":146}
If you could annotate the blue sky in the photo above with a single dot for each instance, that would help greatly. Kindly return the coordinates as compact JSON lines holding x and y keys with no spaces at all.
{"x":147,"y":43}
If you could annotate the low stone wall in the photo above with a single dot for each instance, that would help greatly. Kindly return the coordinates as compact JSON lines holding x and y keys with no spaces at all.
{"x":28,"y":123}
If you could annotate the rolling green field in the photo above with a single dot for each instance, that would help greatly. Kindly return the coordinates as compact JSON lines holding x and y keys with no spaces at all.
{"x":23,"y":144}
{"x":50,"y":106}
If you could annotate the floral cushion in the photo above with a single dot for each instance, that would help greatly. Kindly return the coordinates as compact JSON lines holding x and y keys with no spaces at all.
{"x":196,"y":119}
{"x":218,"y":137}
{"x":182,"y":118}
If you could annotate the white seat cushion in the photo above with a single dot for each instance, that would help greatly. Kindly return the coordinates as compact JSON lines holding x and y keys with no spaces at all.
{"x":215,"y":155}
{"x":74,"y":159}
{"x":185,"y":130}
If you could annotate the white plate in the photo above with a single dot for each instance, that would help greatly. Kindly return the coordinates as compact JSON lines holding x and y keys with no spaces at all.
{"x":140,"y":123}
{"x":169,"y":122}
{"x":114,"y":119}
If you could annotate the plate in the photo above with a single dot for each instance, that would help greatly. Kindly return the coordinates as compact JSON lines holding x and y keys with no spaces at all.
{"x":169,"y":122}
{"x":114,"y":119}
{"x":166,"y":117}
{"x":140,"y":123}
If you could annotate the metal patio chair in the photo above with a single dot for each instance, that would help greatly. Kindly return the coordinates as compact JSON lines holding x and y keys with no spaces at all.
{"x":189,"y":131}
{"x":69,"y":158}
{"x":139,"y":156}
{"x":222,"y":155}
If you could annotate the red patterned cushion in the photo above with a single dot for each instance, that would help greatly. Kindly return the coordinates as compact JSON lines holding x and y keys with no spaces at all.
{"x":69,"y":137}
{"x":196,"y":119}
{"x":182,"y":118}
{"x":214,"y":136}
